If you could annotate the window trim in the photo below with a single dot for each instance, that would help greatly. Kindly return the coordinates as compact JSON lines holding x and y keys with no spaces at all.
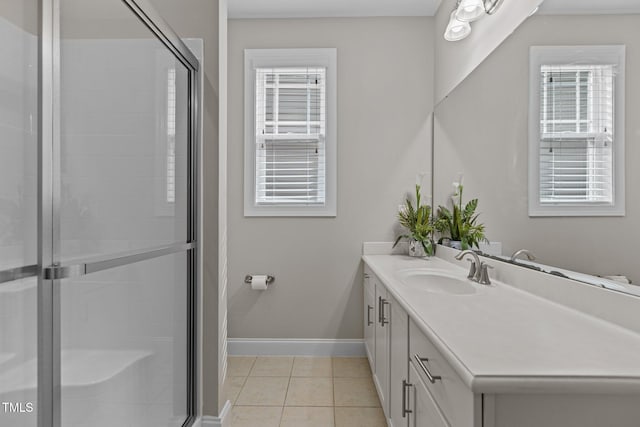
{"x":576,"y":55}
{"x":313,"y":57}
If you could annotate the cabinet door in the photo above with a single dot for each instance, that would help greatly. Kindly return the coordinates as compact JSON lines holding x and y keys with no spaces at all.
{"x":369,"y":318}
{"x":383,"y":317}
{"x":455,"y":400}
{"x":398,"y":362}
{"x":424,"y":412}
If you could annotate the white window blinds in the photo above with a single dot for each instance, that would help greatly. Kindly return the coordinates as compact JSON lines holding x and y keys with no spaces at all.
{"x":290,"y":131}
{"x":576,"y":148}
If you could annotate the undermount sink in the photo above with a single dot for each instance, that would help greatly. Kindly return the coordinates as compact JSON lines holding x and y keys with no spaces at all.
{"x":438,"y":282}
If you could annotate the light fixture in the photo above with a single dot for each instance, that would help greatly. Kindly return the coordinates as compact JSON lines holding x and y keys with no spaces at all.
{"x":467,"y":11}
{"x":470,"y":10}
{"x":456,"y":29}
{"x":491,"y":6}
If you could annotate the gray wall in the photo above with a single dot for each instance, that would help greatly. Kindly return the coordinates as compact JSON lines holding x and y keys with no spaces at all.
{"x":385,"y":98}
{"x":487,"y":139}
{"x":199,"y":19}
{"x":22,"y":13}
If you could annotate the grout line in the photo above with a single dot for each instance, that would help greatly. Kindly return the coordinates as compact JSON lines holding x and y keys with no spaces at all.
{"x":286,"y":394}
{"x":243,"y":383}
{"x":239,"y":391}
{"x":255,"y":405}
{"x":333,"y":396}
{"x":253,"y":364}
{"x":290,"y":377}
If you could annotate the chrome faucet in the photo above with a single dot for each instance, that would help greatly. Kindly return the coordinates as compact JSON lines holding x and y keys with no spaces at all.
{"x":527,"y":253}
{"x":478,"y":272}
{"x":473,"y":270}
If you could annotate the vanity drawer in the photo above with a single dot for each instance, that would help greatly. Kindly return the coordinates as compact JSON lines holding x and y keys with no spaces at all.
{"x":451,"y":395}
{"x":424,"y":411}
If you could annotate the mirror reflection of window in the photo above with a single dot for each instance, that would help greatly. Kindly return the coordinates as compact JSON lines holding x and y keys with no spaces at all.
{"x":576,"y":142}
{"x":576,"y":133}
{"x":171,"y":136}
{"x":167,"y":131}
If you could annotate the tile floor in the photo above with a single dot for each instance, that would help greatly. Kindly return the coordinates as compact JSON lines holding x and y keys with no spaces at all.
{"x":302,"y":392}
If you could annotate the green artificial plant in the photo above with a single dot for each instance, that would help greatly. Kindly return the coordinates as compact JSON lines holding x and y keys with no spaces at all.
{"x":417,"y":220}
{"x":461,"y":223}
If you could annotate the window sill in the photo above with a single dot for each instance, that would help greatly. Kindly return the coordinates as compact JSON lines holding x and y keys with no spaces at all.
{"x":290,"y":211}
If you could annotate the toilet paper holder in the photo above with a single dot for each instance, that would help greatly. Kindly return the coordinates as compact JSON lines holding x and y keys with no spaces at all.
{"x":248,"y":278}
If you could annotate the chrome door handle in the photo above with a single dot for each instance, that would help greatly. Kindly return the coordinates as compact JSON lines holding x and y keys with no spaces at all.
{"x":420,"y":361}
{"x":369,"y":322}
{"x":58,"y":272}
{"x":384,"y":320}
{"x":17,"y":273}
{"x":405,"y":411}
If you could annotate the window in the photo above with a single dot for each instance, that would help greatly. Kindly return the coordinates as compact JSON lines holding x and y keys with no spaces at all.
{"x":290,"y":132}
{"x":171,"y":136}
{"x":576,"y":121}
{"x":167,"y":82}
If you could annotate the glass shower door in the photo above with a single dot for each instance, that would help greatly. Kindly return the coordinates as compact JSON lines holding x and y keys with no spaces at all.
{"x":119,"y":249}
{"x":18,"y":224}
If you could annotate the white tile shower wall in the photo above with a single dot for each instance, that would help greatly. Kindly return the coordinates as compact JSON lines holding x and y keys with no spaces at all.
{"x":112,"y":107}
{"x":18,"y":188}
{"x":18,"y":141}
{"x":137,"y":308}
{"x":114,"y":145}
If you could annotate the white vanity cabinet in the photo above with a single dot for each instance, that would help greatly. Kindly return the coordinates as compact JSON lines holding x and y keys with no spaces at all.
{"x":421,"y":409}
{"x":398,"y":367}
{"x":433,"y":369}
{"x":386,"y":341}
{"x":369,"y":316}
{"x":454,"y":401}
{"x":381,"y":368}
{"x":415,"y":384}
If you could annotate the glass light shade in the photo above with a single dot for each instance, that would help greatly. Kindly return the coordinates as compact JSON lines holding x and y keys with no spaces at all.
{"x":456,"y":29}
{"x":470,"y":10}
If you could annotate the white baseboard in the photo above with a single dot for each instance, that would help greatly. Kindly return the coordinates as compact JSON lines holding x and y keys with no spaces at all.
{"x":295,"y":347}
{"x":224,"y":420}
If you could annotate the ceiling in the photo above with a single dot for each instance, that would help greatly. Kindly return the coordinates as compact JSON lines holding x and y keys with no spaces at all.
{"x":330,"y":8}
{"x":356,"y":8}
{"x":579,"y":7}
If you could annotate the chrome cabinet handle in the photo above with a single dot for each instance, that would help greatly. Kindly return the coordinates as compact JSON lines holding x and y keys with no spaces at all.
{"x":380,"y":310}
{"x":369,"y":322}
{"x":405,"y":411}
{"x":384,"y":320}
{"x":420,"y":361}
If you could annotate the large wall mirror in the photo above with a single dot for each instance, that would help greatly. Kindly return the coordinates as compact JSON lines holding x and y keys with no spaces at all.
{"x":551,"y":118}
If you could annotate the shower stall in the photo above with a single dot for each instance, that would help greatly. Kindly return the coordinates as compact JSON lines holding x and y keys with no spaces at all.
{"x":99,"y":130}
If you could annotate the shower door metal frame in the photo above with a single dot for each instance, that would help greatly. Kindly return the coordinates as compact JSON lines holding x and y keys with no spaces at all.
{"x":50,"y":269}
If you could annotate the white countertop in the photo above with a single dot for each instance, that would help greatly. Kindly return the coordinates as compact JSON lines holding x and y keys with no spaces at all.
{"x":503,"y":339}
